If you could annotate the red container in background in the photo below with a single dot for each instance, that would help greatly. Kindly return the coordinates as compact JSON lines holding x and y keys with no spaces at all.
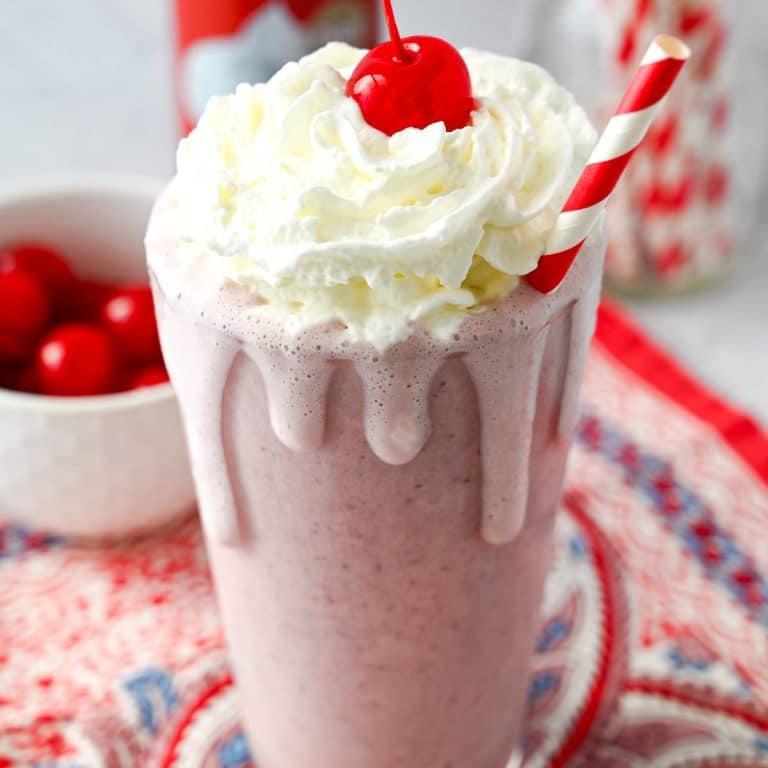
{"x":221,"y":43}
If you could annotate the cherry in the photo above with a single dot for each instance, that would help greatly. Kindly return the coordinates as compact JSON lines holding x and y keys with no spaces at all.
{"x":148,"y":377}
{"x":412,"y":82}
{"x":75,"y":359}
{"x":24,"y":311}
{"x":129,"y":316}
{"x":42,"y":261}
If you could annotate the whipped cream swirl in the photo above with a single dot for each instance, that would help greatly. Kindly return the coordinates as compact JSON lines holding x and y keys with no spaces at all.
{"x":327,"y":219}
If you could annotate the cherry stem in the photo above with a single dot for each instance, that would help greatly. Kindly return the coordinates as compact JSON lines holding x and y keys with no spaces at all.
{"x":394,"y":32}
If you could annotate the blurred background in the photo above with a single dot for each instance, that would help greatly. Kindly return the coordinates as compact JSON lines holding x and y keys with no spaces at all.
{"x":104,"y":87}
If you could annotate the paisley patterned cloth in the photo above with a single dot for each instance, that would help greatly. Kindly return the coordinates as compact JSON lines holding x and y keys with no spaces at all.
{"x":653,"y":648}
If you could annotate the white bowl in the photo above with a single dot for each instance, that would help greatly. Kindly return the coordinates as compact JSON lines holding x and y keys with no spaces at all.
{"x":101,"y":467}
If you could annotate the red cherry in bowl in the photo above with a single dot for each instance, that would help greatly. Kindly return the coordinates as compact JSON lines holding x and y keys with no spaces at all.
{"x":75,"y":359}
{"x":412,"y":83}
{"x":42,"y":261}
{"x":24,"y":312}
{"x":148,"y":377}
{"x":129,"y":316}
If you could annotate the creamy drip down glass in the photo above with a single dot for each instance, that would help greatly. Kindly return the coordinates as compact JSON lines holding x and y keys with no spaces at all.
{"x":378,"y":413}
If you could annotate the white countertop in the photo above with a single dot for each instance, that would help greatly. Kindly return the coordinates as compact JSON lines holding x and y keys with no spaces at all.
{"x":86,"y":87}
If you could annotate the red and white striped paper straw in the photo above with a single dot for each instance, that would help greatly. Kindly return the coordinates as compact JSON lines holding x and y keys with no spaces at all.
{"x":623,"y":134}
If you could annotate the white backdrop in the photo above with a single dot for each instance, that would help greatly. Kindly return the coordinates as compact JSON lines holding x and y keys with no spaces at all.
{"x":85,"y":85}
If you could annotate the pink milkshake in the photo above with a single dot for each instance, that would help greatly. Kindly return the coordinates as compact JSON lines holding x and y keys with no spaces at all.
{"x":378,"y":409}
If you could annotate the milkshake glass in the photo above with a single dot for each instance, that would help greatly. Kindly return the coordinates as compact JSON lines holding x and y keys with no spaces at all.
{"x":378,"y":498}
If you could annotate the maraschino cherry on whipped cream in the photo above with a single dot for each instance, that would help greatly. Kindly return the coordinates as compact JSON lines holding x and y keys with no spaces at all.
{"x":412,"y":83}
{"x":384,"y":189}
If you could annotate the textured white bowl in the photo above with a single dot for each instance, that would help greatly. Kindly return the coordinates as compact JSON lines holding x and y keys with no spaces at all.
{"x":94,"y":467}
